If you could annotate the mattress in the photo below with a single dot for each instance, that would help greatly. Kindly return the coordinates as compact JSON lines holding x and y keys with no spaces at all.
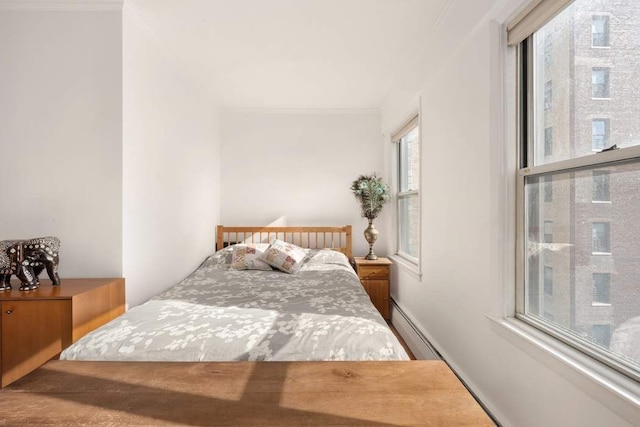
{"x":219,"y":314}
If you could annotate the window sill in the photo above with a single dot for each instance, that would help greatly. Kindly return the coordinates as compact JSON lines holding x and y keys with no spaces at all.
{"x":408,"y":266}
{"x":601,"y":253}
{"x":618,"y":392}
{"x":600,"y":304}
{"x":604,"y":202}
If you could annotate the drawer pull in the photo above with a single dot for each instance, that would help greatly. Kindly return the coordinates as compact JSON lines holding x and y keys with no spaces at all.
{"x":9,"y":311}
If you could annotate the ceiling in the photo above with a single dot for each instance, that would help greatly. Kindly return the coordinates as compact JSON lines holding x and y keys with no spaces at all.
{"x":293,"y":53}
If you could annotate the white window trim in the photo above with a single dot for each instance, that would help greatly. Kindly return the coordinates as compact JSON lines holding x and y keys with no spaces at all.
{"x":405,"y":261}
{"x":600,"y":304}
{"x":618,"y":392}
{"x":595,"y":159}
{"x":613,"y":389}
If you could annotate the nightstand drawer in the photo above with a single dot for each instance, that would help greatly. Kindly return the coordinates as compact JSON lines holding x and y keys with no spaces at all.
{"x":373,"y":272}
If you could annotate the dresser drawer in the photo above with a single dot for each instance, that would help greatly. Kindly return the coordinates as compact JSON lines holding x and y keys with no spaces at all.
{"x":373,"y":271}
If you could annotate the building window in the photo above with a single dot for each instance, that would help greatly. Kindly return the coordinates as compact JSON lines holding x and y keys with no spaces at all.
{"x":600,"y":31}
{"x":602,"y":288}
{"x":599,"y":134}
{"x":600,"y":238}
{"x":601,"y":189}
{"x":548,"y":141}
{"x":548,"y":281}
{"x":408,"y":190}
{"x":548,"y":232}
{"x":563,"y":238}
{"x":547,"y":181}
{"x":548,"y":49}
{"x":600,"y":82}
{"x":548,"y":95}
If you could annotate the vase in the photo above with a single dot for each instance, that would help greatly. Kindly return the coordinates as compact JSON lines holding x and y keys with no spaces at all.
{"x":371,"y":234}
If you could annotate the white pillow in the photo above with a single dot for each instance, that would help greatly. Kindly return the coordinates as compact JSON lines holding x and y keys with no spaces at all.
{"x":247,"y":257}
{"x":284,"y":256}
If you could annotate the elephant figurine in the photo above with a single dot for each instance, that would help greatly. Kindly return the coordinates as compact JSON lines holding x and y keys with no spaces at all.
{"x":26,"y":259}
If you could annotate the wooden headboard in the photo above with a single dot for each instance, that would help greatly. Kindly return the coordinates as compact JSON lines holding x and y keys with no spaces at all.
{"x":336,"y":238}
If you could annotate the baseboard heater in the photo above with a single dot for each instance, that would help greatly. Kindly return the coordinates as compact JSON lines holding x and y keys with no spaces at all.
{"x":427,"y":346}
{"x":416,"y":331}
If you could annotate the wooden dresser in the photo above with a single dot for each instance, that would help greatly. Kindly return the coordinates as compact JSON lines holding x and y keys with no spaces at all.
{"x":37,"y":325}
{"x":374,"y":276}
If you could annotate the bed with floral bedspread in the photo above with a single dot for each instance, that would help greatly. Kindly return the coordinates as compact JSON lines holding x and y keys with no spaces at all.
{"x":220,"y":314}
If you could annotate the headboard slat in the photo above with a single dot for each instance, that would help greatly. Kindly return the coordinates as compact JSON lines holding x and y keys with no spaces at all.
{"x":340,"y":237}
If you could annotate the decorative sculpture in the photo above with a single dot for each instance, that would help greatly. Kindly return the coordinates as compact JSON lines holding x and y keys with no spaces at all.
{"x":26,"y":259}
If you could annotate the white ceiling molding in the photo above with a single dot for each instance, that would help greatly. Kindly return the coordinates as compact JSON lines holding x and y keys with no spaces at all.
{"x":62,"y":5}
{"x":293,"y":110}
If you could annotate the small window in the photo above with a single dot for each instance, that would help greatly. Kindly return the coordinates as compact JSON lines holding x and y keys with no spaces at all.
{"x":548,"y":95}
{"x":548,"y":281}
{"x":548,"y":141}
{"x":600,"y":82}
{"x":600,"y":238}
{"x":602,"y":288}
{"x":599,"y":134}
{"x":601,"y":188}
{"x":408,"y":190}
{"x":548,"y":49}
{"x":548,"y":232}
{"x":548,"y":188}
{"x":600,"y":31}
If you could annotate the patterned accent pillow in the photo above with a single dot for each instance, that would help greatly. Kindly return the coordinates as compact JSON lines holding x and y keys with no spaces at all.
{"x":284,"y":256}
{"x":247,"y":257}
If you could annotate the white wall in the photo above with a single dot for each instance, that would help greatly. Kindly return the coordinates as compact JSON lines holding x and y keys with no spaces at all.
{"x":171,"y":167}
{"x":466,"y":220}
{"x":61,"y":134}
{"x":296,"y":166}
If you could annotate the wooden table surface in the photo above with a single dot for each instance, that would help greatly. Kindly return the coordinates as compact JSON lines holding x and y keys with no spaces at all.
{"x":423,"y":392}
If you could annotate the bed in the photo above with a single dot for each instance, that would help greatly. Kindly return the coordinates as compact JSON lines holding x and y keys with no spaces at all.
{"x":319,"y":312}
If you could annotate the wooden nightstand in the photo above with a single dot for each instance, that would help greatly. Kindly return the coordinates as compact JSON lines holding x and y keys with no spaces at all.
{"x":37,"y":325}
{"x":374,"y":276}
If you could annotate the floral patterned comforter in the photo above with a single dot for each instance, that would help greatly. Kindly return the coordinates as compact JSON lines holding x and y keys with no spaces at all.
{"x":218,"y":314}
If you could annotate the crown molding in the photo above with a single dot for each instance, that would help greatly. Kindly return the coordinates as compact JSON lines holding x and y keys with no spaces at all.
{"x":303,"y":110}
{"x":62,"y":5}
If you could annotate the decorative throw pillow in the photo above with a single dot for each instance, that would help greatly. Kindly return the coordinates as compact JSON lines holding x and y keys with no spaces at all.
{"x":247,"y":257}
{"x":284,"y":256}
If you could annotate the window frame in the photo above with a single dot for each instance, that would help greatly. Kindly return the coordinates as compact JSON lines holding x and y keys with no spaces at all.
{"x":606,"y":31}
{"x":408,"y":125}
{"x":596,"y":302}
{"x":606,"y":83}
{"x":525,"y":154}
{"x":606,"y":134}
{"x":601,"y":186}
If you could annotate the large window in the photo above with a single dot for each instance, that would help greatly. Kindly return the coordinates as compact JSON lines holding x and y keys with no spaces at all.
{"x":574,"y":250}
{"x":408,"y":190}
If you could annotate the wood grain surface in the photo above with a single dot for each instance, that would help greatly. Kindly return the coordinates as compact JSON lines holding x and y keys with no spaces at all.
{"x":421,"y":392}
